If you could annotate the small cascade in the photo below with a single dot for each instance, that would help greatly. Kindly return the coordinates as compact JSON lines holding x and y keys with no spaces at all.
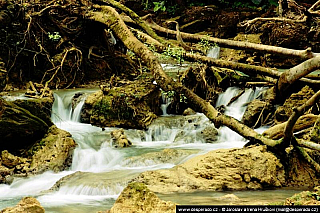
{"x":62,"y":109}
{"x":235,"y":109}
{"x":214,"y":52}
{"x":173,"y":130}
{"x":166,"y":100}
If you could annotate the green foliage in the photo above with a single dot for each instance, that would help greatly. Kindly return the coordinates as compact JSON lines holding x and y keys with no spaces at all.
{"x":159,"y":6}
{"x":205,"y":44}
{"x":55,"y":36}
{"x":176,"y":53}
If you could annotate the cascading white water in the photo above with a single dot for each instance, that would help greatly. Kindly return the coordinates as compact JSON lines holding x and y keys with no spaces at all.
{"x":95,"y":155}
{"x":236,"y":109}
{"x":166,"y":100}
{"x":214,"y":52}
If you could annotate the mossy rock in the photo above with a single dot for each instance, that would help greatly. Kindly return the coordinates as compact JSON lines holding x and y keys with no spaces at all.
{"x":132,"y":105}
{"x":38,"y":107}
{"x":136,"y":197}
{"x":19,"y":129}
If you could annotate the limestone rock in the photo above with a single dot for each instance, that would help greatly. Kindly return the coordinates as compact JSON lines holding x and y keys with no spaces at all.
{"x":304,"y":198}
{"x":225,"y":169}
{"x":131,"y":105}
{"x":119,"y":139}
{"x":189,"y":111}
{"x":53,"y":152}
{"x":77,"y":98}
{"x":210,"y":134}
{"x":295,"y":100}
{"x":26,"y":205}
{"x":5,"y":173}
{"x":40,"y":107}
{"x":165,"y":156}
{"x":19,"y":128}
{"x":229,"y":197}
{"x":253,"y":113}
{"x":11,"y":161}
{"x":136,"y":197}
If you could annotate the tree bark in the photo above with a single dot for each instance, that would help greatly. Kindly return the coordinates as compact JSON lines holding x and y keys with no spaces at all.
{"x":290,"y":76}
{"x":303,"y":54}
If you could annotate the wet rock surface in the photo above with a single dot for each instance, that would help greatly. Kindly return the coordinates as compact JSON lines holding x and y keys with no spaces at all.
{"x":136,"y":197}
{"x":130,"y":105}
{"x":53,"y":152}
{"x":119,"y":139}
{"x":234,"y":169}
{"x":165,"y":156}
{"x":25,"y":205}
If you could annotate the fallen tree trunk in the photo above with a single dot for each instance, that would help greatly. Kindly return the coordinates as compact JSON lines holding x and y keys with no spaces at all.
{"x":107,"y":15}
{"x":303,"y":54}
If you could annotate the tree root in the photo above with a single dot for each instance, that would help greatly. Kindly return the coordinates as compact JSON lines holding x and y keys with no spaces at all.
{"x":309,"y":159}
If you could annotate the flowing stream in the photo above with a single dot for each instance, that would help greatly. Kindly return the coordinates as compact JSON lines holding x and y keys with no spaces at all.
{"x":105,"y":170}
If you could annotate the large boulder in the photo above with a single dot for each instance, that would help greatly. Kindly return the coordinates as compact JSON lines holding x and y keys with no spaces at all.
{"x":19,"y":129}
{"x":53,"y":152}
{"x":39,"y":107}
{"x":26,"y":205}
{"x":226,"y":169}
{"x":136,"y":197}
{"x":131,"y":105}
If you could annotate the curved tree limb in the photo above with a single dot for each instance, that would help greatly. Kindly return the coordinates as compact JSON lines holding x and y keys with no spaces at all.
{"x":312,"y":10}
{"x":136,"y":18}
{"x":288,"y":77}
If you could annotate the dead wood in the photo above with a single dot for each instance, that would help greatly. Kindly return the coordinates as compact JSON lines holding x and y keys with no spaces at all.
{"x":276,"y":132}
{"x":303,"y":54}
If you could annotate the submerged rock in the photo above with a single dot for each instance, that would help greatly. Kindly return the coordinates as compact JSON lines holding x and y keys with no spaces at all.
{"x":26,"y":205}
{"x":119,"y":139}
{"x":165,"y":156}
{"x":304,"y":198}
{"x":230,"y":169}
{"x":132,"y":105}
{"x":136,"y":197}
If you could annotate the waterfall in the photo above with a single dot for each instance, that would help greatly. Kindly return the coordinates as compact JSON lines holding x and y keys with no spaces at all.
{"x":166,"y":100}
{"x":236,"y":109}
{"x":214,"y":52}
{"x":107,"y":170}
